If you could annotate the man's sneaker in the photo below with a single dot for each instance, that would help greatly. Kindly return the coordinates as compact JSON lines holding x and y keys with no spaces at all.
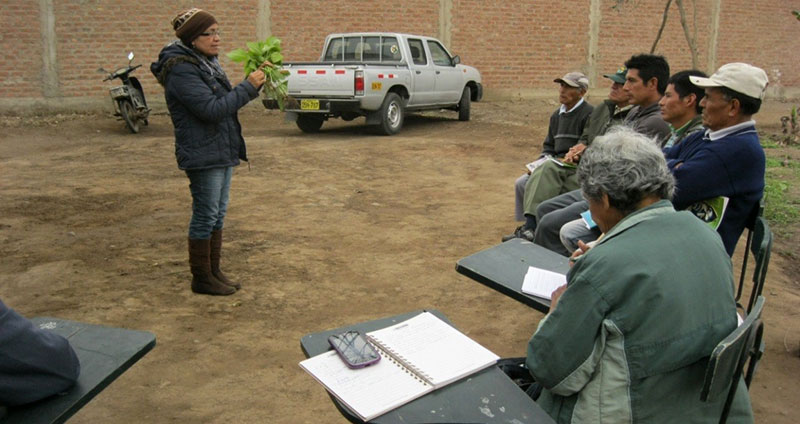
{"x":520,"y":232}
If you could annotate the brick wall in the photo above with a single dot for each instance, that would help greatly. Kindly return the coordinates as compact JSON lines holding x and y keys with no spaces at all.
{"x":763,"y":33}
{"x":518,"y":45}
{"x":21,"y":55}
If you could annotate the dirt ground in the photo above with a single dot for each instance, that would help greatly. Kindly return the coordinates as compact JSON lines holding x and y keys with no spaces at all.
{"x":322,"y":231}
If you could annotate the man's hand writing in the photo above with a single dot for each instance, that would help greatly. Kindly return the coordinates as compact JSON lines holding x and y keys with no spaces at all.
{"x":582,"y":248}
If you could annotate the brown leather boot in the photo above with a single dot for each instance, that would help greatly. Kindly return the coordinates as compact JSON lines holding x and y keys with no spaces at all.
{"x":216,"y":253}
{"x":203,"y":281}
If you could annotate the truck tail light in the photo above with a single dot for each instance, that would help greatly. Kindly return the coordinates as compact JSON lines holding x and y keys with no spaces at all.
{"x":359,"y":83}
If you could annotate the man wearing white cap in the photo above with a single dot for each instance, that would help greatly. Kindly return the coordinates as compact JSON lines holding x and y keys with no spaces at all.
{"x":725,"y":161}
{"x":566,"y":126}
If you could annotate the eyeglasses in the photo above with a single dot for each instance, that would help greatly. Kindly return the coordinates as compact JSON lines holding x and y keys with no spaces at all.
{"x":213,"y":33}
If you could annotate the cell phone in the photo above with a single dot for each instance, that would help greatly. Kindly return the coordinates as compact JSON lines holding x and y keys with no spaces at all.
{"x":354,"y":349}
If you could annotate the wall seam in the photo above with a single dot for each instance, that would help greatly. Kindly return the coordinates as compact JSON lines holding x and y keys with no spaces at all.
{"x":595,"y":16}
{"x":264,"y":19}
{"x":446,"y":22}
{"x":713,"y":40}
{"x":50,"y":85}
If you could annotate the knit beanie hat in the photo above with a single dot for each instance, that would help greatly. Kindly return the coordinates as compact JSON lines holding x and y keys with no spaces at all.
{"x":189,"y":24}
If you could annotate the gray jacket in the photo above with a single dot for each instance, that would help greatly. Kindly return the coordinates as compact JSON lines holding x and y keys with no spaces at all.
{"x":648,"y":121}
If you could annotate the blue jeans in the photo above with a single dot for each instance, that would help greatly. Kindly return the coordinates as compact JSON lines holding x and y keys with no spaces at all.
{"x":210,"y":193}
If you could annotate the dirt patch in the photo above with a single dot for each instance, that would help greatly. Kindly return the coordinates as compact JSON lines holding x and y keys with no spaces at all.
{"x":325,"y":230}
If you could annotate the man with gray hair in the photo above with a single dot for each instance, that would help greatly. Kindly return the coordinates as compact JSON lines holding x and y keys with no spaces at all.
{"x":725,"y":165}
{"x":643,"y":309}
{"x":566,"y":126}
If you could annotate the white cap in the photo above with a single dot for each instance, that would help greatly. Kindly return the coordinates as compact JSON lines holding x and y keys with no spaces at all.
{"x":574,"y":79}
{"x":739,"y":77}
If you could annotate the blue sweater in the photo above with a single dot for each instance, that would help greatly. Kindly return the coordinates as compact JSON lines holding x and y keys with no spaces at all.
{"x":34,"y":363}
{"x":732,"y":166}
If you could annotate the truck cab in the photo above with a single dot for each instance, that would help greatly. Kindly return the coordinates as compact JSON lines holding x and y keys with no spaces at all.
{"x":380,"y":76}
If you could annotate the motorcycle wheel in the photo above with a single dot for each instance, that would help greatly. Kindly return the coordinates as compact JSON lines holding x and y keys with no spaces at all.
{"x":129,"y":115}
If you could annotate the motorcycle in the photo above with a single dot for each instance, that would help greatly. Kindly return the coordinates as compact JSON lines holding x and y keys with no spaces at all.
{"x":128,"y":98}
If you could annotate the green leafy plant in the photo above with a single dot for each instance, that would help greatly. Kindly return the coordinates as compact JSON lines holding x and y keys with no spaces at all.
{"x":265,"y":55}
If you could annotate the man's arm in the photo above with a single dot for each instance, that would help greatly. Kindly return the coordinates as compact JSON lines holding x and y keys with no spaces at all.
{"x":34,"y":363}
{"x":701,"y":177}
{"x":549,"y":145}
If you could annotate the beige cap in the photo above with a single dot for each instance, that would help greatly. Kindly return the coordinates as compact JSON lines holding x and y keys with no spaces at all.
{"x":574,"y":79}
{"x":740,"y":77}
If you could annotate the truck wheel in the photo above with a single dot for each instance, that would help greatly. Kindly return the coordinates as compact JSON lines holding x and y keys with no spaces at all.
{"x":464,"y":104}
{"x":392,"y":114}
{"x":308,"y":123}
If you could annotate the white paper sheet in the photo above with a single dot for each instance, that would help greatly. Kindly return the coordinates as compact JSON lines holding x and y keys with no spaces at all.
{"x":541,"y":283}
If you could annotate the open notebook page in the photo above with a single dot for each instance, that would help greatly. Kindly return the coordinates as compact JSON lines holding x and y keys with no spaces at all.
{"x":437,"y":351}
{"x":541,"y":282}
{"x":370,"y":391}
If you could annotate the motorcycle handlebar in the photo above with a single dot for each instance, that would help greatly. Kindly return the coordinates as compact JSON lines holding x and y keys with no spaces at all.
{"x":121,"y":71}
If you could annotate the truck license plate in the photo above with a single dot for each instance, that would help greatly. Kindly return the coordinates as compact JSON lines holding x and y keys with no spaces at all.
{"x":309,"y":104}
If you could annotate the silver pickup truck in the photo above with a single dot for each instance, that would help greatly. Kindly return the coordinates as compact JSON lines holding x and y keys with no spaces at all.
{"x":380,"y":76}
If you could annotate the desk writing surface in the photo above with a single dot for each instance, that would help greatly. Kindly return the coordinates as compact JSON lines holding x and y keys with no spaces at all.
{"x":487,"y":396}
{"x":503,"y":268}
{"x":104,"y":353}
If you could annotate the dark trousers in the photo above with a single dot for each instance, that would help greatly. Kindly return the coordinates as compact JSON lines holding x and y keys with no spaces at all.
{"x":554,"y":213}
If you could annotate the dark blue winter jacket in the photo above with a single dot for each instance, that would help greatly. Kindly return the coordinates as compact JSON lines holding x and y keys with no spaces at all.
{"x":203,"y":110}
{"x":34,"y":363}
{"x":732,"y":166}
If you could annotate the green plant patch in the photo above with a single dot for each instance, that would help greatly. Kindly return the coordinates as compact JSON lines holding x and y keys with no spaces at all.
{"x":265,"y":55}
{"x":780,"y":209}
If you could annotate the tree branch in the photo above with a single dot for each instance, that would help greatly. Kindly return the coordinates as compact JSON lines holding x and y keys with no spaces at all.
{"x":690,"y":40}
{"x":661,"y":30}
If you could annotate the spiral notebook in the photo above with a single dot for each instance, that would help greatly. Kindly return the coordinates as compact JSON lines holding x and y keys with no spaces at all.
{"x":419,"y":355}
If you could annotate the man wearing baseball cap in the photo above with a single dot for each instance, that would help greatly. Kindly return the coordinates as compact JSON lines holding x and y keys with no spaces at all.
{"x":725,"y":161}
{"x":551,"y":179}
{"x":566,"y":126}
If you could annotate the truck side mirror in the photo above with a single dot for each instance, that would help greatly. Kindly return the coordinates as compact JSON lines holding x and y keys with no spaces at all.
{"x":456,"y":60}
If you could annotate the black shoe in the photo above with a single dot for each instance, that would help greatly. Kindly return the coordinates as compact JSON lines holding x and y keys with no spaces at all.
{"x":520,"y":232}
{"x":513,"y":235}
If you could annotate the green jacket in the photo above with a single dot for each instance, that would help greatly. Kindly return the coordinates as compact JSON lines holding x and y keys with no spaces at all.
{"x":602,"y":118}
{"x":630,"y":337}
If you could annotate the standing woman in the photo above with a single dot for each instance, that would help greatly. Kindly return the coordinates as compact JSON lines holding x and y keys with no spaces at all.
{"x":208,"y":137}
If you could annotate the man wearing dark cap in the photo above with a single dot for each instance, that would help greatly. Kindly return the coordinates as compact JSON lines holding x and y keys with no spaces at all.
{"x":566,"y":127}
{"x":645,"y":82}
{"x":552,"y":179}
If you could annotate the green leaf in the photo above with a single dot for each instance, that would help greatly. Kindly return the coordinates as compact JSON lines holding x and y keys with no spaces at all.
{"x":238,"y":55}
{"x":273,"y":42}
{"x":276,"y":58}
{"x":254,"y":47}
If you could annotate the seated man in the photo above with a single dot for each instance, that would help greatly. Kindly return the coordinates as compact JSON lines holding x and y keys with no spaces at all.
{"x":627,"y":338}
{"x":551,"y":179}
{"x":34,"y":363}
{"x":645,"y":83}
{"x":566,"y":126}
{"x":680,"y":108}
{"x":726,"y":161}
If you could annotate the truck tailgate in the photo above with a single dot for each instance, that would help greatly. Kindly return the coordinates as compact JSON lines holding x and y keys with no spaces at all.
{"x":327,"y":81}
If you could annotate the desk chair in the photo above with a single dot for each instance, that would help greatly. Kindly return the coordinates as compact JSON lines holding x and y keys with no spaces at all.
{"x":757,"y":211}
{"x":727,"y":362}
{"x":761,"y":247}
